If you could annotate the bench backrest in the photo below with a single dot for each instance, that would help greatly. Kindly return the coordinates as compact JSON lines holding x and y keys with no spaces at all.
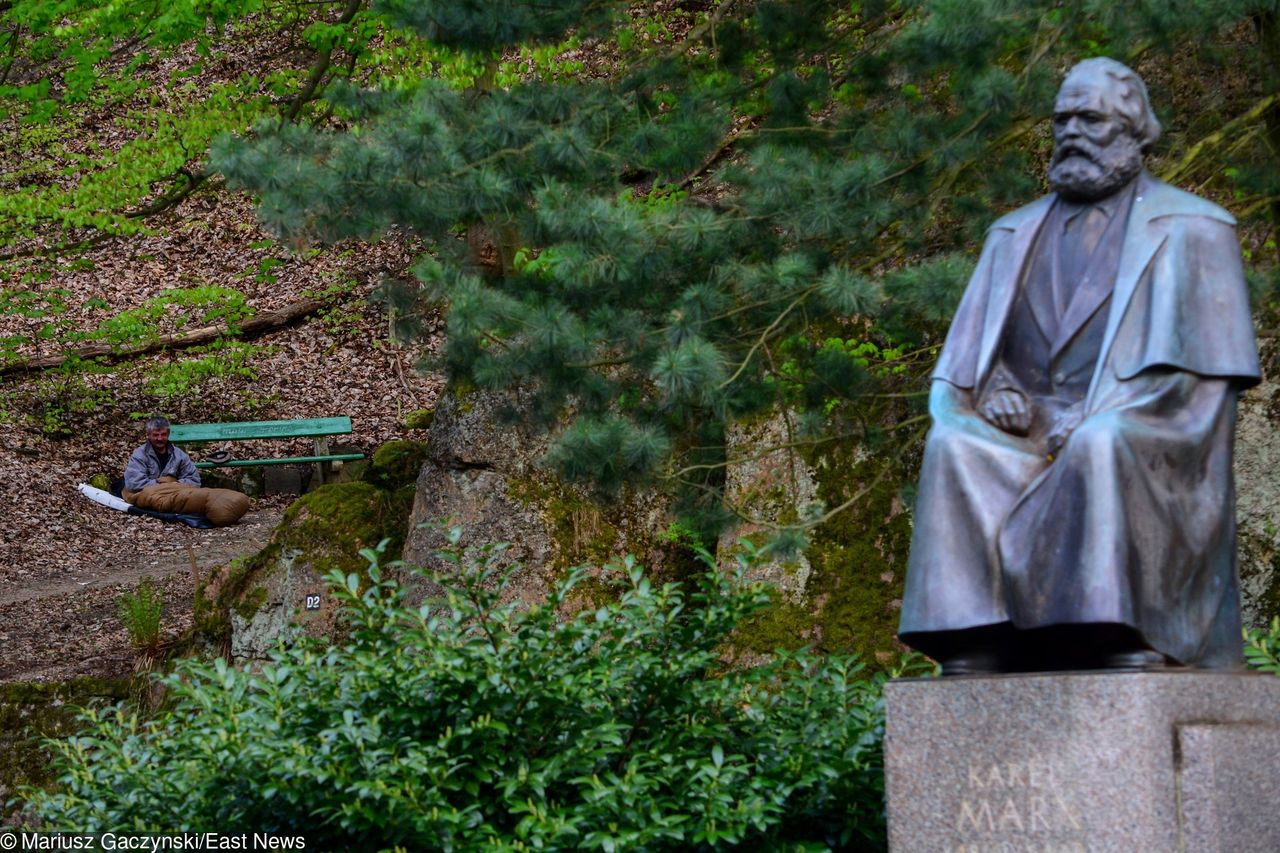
{"x":260,"y":429}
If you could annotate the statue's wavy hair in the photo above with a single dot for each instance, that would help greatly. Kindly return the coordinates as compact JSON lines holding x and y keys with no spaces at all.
{"x":1129,"y":97}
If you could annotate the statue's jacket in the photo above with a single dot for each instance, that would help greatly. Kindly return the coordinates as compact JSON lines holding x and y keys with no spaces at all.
{"x":1133,"y":522}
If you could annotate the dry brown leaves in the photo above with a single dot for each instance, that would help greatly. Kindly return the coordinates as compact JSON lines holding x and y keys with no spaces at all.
{"x":63,"y":559}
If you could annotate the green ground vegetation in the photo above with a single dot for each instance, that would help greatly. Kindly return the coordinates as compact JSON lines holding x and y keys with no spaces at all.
{"x":469,"y":724}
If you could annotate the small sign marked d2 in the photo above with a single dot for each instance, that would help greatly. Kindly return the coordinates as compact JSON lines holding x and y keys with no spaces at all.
{"x":312,"y":602}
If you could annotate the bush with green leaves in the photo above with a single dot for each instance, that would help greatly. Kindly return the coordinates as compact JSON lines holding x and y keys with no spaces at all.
{"x":471,"y":722}
{"x":1262,"y":647}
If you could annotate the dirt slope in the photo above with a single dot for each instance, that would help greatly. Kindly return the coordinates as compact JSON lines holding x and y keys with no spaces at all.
{"x":63,"y":559}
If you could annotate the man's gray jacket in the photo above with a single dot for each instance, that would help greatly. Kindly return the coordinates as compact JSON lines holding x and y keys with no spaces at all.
{"x":144,"y":469}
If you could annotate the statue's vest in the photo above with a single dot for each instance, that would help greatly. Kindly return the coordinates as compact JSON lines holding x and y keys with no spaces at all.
{"x":1051,"y":344}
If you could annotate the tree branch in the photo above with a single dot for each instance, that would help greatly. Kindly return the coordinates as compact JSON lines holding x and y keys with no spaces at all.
{"x":260,"y":324}
{"x":1226,"y":131}
{"x":319,"y":66}
{"x":174,"y":197}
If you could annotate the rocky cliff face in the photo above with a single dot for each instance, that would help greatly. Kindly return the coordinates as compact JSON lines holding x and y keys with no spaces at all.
{"x":843,"y":592}
{"x":482,"y":475}
{"x":1258,"y":500}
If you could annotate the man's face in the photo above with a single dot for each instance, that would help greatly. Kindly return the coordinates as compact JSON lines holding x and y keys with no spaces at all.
{"x":1096,"y":152}
{"x":158,"y":439}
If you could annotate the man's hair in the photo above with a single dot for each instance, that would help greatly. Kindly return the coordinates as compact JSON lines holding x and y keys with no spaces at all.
{"x":1128,"y":98}
{"x":157,"y":422}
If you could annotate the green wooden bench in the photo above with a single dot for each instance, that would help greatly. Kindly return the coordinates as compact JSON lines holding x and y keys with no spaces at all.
{"x":318,"y":428}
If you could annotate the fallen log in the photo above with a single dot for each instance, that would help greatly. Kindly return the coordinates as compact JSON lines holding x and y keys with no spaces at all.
{"x":258,"y":324}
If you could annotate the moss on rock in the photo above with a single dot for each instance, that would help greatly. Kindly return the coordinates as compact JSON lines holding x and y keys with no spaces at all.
{"x":579,"y":529}
{"x":30,"y":712}
{"x":322,"y":531}
{"x":860,"y":556}
{"x":396,"y":464}
{"x":1259,"y":578}
{"x":851,"y":599}
{"x":419,"y":419}
{"x":331,"y":524}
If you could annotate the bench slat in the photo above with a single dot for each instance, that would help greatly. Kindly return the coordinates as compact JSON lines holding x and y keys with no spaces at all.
{"x":305,"y":427}
{"x":242,"y":463}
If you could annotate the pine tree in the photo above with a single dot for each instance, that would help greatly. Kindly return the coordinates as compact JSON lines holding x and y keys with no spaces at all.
{"x":754,"y":205}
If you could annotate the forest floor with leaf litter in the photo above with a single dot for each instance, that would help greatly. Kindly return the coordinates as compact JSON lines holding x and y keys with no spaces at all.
{"x":64,"y":560}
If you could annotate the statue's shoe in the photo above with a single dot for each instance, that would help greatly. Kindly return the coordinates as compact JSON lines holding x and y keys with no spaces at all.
{"x":1136,"y":660}
{"x":972,"y":663}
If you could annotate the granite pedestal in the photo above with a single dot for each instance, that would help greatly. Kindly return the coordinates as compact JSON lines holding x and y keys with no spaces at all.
{"x":1075,"y":762}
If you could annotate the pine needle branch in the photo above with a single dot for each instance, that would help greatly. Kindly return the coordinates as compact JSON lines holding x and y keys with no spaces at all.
{"x":1208,"y":143}
{"x":763,"y":337}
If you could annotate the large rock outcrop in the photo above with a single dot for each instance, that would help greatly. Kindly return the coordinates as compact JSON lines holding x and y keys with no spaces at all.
{"x":482,"y":475}
{"x":31,"y":712}
{"x":247,"y":607}
{"x":841,"y":593}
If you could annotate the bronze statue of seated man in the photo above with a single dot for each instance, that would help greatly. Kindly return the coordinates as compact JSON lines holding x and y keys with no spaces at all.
{"x":1076,"y":507}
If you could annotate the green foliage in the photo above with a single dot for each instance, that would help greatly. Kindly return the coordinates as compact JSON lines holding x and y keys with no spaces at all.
{"x":175,"y":380}
{"x":60,"y":397}
{"x":1262,"y":647}
{"x":640,"y":285}
{"x":58,"y":400}
{"x":106,"y":141}
{"x":179,"y":308}
{"x":114,"y":183}
{"x":497,"y":24}
{"x":469,"y":723}
{"x":141,"y":613}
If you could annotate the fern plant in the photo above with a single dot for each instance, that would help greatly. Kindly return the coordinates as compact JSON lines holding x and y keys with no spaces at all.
{"x":141,"y":612}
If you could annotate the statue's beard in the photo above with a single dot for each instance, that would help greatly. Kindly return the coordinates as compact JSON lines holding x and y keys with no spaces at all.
{"x":1082,"y":171}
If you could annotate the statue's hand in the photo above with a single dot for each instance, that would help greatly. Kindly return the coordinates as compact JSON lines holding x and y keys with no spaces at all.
{"x":1008,"y":409}
{"x":1064,"y":423}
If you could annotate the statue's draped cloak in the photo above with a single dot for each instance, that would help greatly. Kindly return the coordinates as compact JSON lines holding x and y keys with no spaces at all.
{"x":1133,"y":523}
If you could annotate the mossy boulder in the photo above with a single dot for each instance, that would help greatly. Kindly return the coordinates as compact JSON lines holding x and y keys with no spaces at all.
{"x":395,"y":464}
{"x":250,"y":605}
{"x":30,"y":712}
{"x":419,"y":419}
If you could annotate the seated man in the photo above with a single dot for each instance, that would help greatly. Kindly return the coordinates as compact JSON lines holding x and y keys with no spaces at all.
{"x":162,"y":477}
{"x":1076,"y":505}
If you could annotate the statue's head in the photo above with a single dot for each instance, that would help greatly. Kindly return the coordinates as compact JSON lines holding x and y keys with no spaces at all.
{"x":1102,"y":126}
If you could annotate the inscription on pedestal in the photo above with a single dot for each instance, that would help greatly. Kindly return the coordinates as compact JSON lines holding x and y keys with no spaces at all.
{"x":1074,"y":762}
{"x":1017,"y":807}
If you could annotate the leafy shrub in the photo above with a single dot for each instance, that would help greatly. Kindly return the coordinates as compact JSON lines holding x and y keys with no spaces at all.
{"x":220,"y":359}
{"x":472,"y":723}
{"x":1262,"y":647}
